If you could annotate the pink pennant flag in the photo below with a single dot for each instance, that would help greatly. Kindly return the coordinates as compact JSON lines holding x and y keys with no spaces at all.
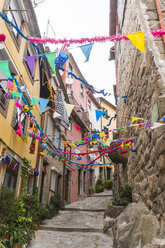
{"x":77,"y":127}
{"x":9,"y":85}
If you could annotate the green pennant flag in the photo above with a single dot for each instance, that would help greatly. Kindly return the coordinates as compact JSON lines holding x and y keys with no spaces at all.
{"x":4,"y":67}
{"x":51,"y":57}
{"x":33,"y":101}
{"x":16,"y":94}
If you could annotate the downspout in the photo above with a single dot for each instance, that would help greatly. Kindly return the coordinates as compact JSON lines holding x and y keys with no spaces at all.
{"x":160,"y":17}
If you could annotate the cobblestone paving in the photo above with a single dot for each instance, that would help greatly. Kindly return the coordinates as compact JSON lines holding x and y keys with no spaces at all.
{"x":76,"y":228}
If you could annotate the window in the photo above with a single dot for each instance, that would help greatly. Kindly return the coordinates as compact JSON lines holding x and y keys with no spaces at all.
{"x":69,"y":156}
{"x":81,"y":109}
{"x":11,"y":175}
{"x":15,"y":17}
{"x":23,"y":119}
{"x":53,"y":181}
{"x":70,"y":125}
{"x":82,"y":136}
{"x":106,"y":114}
{"x":5,"y":56}
{"x":89,"y":104}
{"x":29,"y":52}
{"x":81,"y":90}
{"x":70,"y":69}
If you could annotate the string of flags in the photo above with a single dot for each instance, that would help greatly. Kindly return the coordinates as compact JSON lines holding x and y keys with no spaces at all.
{"x":138,"y":39}
{"x":11,"y":163}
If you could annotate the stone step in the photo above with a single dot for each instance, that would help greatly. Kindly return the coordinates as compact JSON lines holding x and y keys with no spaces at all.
{"x":84,"y":209}
{"x":70,"y":229}
{"x":110,"y":195}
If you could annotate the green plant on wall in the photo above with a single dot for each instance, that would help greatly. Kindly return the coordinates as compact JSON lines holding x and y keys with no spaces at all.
{"x":25,"y":173}
{"x":125,"y":196}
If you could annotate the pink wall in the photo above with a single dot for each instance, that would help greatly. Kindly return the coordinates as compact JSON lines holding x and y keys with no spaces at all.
{"x":75,"y":135}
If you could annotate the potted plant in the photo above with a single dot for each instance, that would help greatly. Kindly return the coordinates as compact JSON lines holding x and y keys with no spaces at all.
{"x":56,"y":203}
{"x":91,"y":190}
{"x":108,"y":184}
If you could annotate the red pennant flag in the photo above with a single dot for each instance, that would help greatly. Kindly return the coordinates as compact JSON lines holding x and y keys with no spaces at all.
{"x":77,"y":127}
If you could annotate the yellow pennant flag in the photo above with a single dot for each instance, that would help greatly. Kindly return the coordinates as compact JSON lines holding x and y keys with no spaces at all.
{"x":122,"y":145}
{"x":103,"y":134}
{"x":69,"y":108}
{"x":26,"y":138}
{"x":73,"y":144}
{"x":136,"y":118}
{"x":138,"y":40}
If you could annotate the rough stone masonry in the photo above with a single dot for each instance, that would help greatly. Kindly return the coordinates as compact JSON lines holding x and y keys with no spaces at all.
{"x":142,"y":78}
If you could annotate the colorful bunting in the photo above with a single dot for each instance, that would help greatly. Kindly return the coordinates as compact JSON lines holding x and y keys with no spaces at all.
{"x":86,"y":49}
{"x":9,"y":85}
{"x":117,"y":37}
{"x":30,"y":60}
{"x":34,"y":100}
{"x":55,"y":114}
{"x":17,"y":94}
{"x":138,"y":40}
{"x":99,"y":113}
{"x":157,"y":124}
{"x":136,"y":119}
{"x":4,"y":67}
{"x":51,"y":57}
{"x":77,"y":127}
{"x":43,"y":103}
{"x":69,"y":108}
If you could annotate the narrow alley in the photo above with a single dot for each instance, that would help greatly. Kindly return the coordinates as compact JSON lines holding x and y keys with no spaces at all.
{"x":80,"y":224}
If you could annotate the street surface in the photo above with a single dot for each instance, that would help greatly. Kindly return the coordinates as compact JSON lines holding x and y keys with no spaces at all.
{"x":80,"y":225}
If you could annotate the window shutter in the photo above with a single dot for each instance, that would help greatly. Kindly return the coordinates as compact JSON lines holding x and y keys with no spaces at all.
{"x":53,"y":181}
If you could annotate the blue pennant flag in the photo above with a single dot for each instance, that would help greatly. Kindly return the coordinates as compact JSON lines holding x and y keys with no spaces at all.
{"x":43,"y":103}
{"x":99,"y":113}
{"x":86,"y":49}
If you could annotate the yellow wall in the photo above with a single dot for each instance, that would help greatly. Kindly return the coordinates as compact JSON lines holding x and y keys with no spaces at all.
{"x":111,"y":112}
{"x":7,"y":133}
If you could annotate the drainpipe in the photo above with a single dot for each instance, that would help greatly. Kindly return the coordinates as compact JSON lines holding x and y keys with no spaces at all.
{"x":160,"y":17}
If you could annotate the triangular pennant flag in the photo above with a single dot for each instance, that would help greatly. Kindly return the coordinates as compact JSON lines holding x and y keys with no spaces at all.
{"x":77,"y":127}
{"x":136,"y":118}
{"x":43,"y":103}
{"x":34,"y":100}
{"x":86,"y":49}
{"x":3,"y":85}
{"x":157,"y":124}
{"x":99,"y":113}
{"x":30,"y":60}
{"x":138,"y":40}
{"x":9,"y":85}
{"x":17,"y":94}
{"x":55,"y":114}
{"x":51,"y":57}
{"x":103,"y":134}
{"x":69,"y":108}
{"x":26,"y":138}
{"x":4,"y":67}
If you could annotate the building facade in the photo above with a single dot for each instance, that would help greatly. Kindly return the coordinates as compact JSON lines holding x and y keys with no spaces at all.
{"x":141,"y":76}
{"x":14,"y":51}
{"x":110,"y":110}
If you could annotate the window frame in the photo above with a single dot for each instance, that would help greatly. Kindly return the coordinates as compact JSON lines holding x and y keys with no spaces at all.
{"x":81,"y":90}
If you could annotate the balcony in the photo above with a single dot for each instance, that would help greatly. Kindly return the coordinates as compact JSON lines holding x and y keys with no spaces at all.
{"x":82,"y":115}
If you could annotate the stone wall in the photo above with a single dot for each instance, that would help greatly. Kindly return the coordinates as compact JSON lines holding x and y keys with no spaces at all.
{"x":142,"y":78}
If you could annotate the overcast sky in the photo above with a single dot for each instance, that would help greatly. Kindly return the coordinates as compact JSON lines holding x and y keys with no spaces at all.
{"x":81,"y":19}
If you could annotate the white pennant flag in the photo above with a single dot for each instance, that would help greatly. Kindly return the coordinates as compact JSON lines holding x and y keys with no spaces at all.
{"x":157,"y":124}
{"x":55,"y":115}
